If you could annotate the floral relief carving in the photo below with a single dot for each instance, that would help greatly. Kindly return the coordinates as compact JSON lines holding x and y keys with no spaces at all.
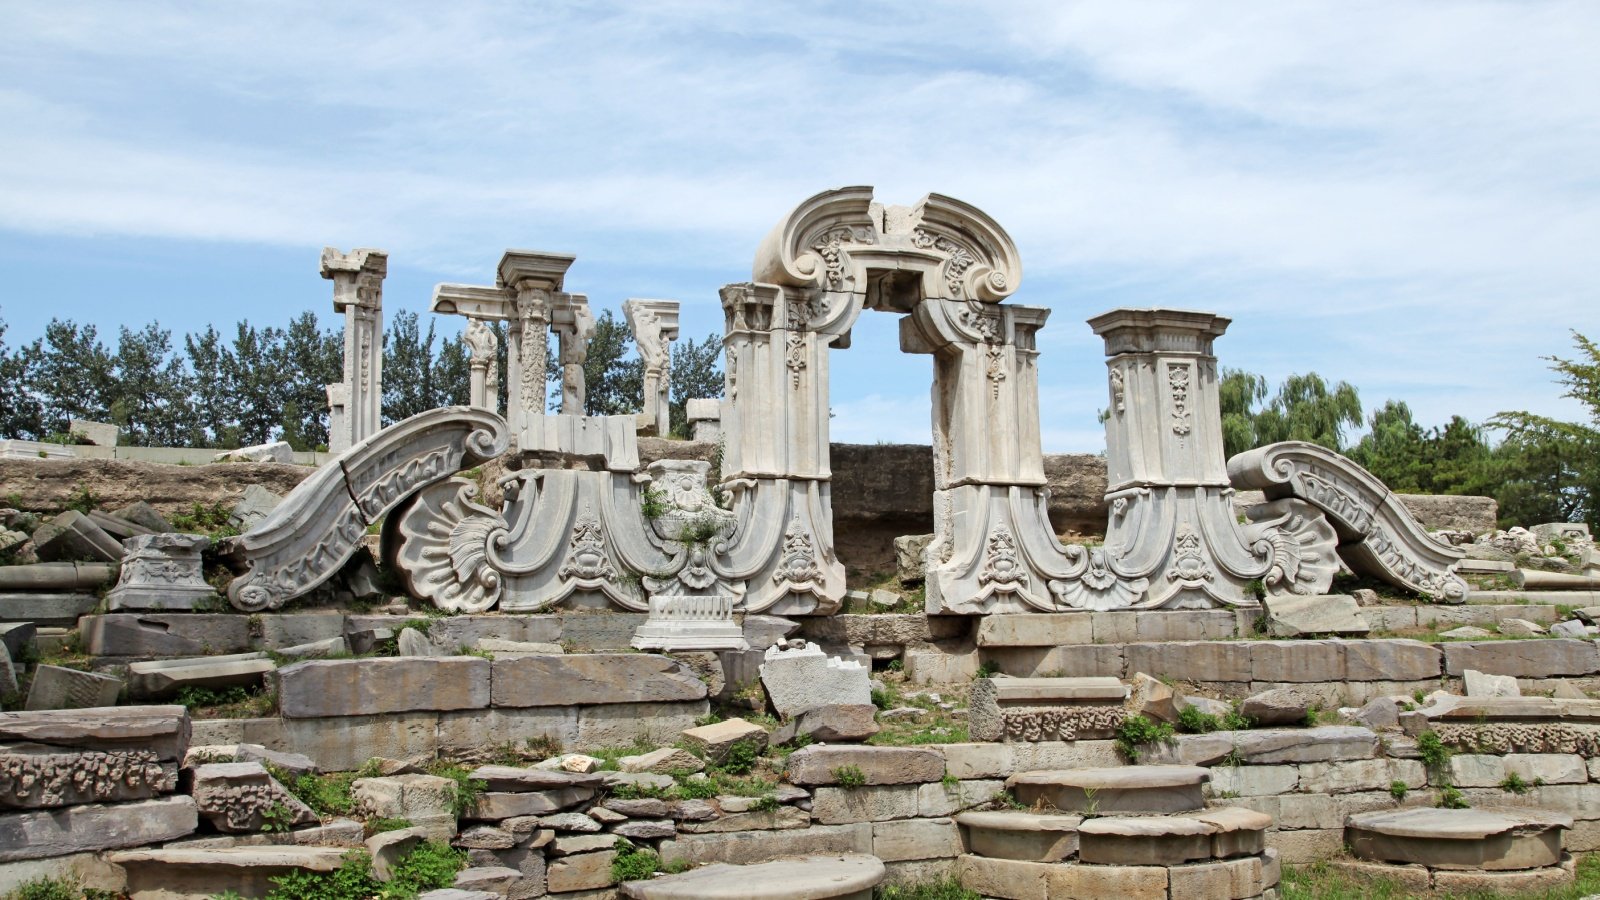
{"x":1001,"y":566}
{"x":1178,"y":382}
{"x":798,"y":565}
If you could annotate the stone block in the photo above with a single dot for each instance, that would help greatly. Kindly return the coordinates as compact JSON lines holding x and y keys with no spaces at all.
{"x":869,"y":803}
{"x":819,"y":764}
{"x":357,"y":687}
{"x":619,"y":724}
{"x":18,"y":638}
{"x":1066,"y":755}
{"x":1191,"y":660}
{"x":600,"y":630}
{"x":467,"y":729}
{"x":413,"y":796}
{"x":798,"y":680}
{"x":1281,"y":706}
{"x":1184,"y":625}
{"x":238,"y":797}
{"x":1345,"y":776}
{"x":1233,"y":879}
{"x":45,"y":610}
{"x":915,"y":839}
{"x":343,"y":743}
{"x":1524,"y":659}
{"x":38,"y":776}
{"x":1547,"y":768}
{"x":280,"y":630}
{"x":593,"y":678}
{"x":940,"y":799}
{"x":1480,"y":685}
{"x":165,"y":634}
{"x":1311,"y":845}
{"x":1391,"y":660}
{"x":717,"y":739}
{"x":1297,"y":662}
{"x":165,"y":678}
{"x":1035,"y":630}
{"x":1048,"y":709}
{"x":1092,"y":882}
{"x":761,"y":632}
{"x":941,"y":662}
{"x":908,"y":563}
{"x":1253,"y":781}
{"x":1268,"y":746}
{"x":1550,"y":878}
{"x":1071,"y":660}
{"x":1014,"y":879}
{"x":55,"y":687}
{"x":583,"y":872}
{"x":77,"y":829}
{"x":662,"y":762}
{"x":454,"y":632}
{"x":833,"y":723}
{"x":1294,"y":615}
{"x":334,"y":646}
{"x":74,"y":537}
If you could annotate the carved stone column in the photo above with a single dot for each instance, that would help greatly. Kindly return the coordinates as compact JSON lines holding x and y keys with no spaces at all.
{"x":574,"y":326}
{"x":482,"y":349}
{"x":531,"y":279}
{"x":655,"y":326}
{"x":358,"y":293}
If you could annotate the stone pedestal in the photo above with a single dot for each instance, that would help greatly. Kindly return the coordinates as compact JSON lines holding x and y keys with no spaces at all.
{"x":161,"y":571}
{"x":705,"y":419}
{"x":686,"y":622}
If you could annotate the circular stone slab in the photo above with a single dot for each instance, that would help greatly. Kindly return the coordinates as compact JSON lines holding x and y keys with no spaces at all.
{"x":1013,"y":834}
{"x":1145,"y":841}
{"x":1126,"y":789}
{"x":847,"y":877}
{"x":1492,"y":838}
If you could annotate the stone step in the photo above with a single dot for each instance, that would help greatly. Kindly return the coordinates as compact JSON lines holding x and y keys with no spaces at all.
{"x":1045,"y":709}
{"x":1493,"y":839}
{"x":189,"y":874}
{"x":849,"y":876}
{"x":1014,"y":834}
{"x":1130,"y":789}
{"x":1173,"y":840}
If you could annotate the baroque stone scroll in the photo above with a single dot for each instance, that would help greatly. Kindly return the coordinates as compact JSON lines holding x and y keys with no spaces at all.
{"x":1378,"y":536}
{"x":322,"y":522}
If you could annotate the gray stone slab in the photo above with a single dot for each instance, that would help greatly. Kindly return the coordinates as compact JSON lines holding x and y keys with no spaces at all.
{"x":46,"y":609}
{"x":144,"y":515}
{"x":166,"y":634}
{"x":1524,"y":659}
{"x":454,"y":632}
{"x":55,"y":687}
{"x":821,"y":764}
{"x":17,"y":638}
{"x":1191,"y":660}
{"x":8,"y":673}
{"x":281,"y":630}
{"x":593,"y":678}
{"x":161,"y":679}
{"x":1298,"y":616}
{"x":357,"y":687}
{"x":76,"y":829}
{"x":1267,"y":746}
{"x":164,"y":730}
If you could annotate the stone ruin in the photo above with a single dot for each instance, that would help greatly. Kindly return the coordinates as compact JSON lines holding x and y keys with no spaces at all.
{"x":1176,"y":710}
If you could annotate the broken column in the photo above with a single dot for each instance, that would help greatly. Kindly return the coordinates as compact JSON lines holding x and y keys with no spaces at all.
{"x":358,"y":293}
{"x":161,"y":571}
{"x":482,"y":352}
{"x":705,"y":419}
{"x":654,"y":324}
{"x":574,"y":326}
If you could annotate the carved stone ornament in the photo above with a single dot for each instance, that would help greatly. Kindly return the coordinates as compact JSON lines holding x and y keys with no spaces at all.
{"x":1378,"y":536}
{"x":586,"y":557}
{"x":1305,"y":553}
{"x":798,"y":565}
{"x":322,"y":522}
{"x":161,"y":571}
{"x":37,"y":776}
{"x":443,"y":547}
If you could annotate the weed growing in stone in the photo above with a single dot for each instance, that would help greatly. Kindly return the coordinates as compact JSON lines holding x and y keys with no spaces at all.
{"x":47,"y":889}
{"x":850,"y":777}
{"x":327,"y":795}
{"x":467,"y":789}
{"x":632,"y":863}
{"x":1398,"y":789}
{"x":947,"y":889}
{"x":1515,"y":784}
{"x":1137,"y":732}
{"x":1452,"y":798}
{"x":379,"y":826}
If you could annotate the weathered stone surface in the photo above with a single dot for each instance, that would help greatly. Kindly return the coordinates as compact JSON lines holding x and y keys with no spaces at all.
{"x":353,"y":687}
{"x":1135,"y":789}
{"x":818,"y":765}
{"x":1292,"y":615}
{"x":411,"y":796}
{"x":17,"y":637}
{"x":761,"y":632}
{"x":500,"y":649}
{"x":1153,"y":698}
{"x":165,"y":634}
{"x":869,"y":803}
{"x":1550,"y":878}
{"x":1254,"y":781}
{"x":73,"y":537}
{"x":1267,"y":746}
{"x":1496,"y":839}
{"x":493,"y":806}
{"x":496,"y":881}
{"x":161,"y":571}
{"x":512,"y":779}
{"x":717,"y":739}
{"x":662,"y":762}
{"x":848,"y":876}
{"x":1144,"y":841}
{"x":1524,"y":659}
{"x":46,"y":610}
{"x":241,"y":797}
{"x":834,"y":723}
{"x":1015,"y":834}
{"x":35,"y":776}
{"x":75,"y":829}
{"x":1480,"y":685}
{"x":454,"y":632}
{"x":1283,"y":706}
{"x":581,"y":872}
{"x":1035,"y":630}
{"x":654,"y":829}
{"x":1391,"y":660}
{"x":57,"y":688}
{"x":745,"y":847}
{"x":161,"y":730}
{"x":185,"y":873}
{"x":1048,"y":709}
{"x":1191,"y":660}
{"x":166,"y":678}
{"x":1465,"y":633}
{"x":1519,"y":628}
{"x":798,"y":680}
{"x":412,"y":642}
{"x":908,"y":563}
{"x":593,"y":678}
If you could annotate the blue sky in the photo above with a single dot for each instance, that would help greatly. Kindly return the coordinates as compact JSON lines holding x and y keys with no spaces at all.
{"x":1405,"y":196}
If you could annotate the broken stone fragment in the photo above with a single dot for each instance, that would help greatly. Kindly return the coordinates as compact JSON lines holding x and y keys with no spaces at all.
{"x":57,"y":688}
{"x":242,"y":797}
{"x":716,"y":740}
{"x":72,"y":537}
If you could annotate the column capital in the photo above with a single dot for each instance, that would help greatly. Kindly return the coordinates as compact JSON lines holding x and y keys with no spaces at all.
{"x":357,"y":276}
{"x":1159,"y":330}
{"x":546,"y":271}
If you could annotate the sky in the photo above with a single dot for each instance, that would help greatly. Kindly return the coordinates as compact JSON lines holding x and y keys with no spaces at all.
{"x":1401,"y":195}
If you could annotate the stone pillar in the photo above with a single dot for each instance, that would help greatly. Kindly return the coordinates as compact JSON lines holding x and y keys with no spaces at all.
{"x":531,"y":279}
{"x":358,"y":293}
{"x":482,"y":348}
{"x":655,"y":326}
{"x":574,"y":326}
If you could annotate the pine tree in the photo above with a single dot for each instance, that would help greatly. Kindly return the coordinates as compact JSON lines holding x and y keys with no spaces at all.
{"x":695,"y":375}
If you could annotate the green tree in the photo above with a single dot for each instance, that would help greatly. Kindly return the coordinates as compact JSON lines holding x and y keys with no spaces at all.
{"x":310,"y":359}
{"x":1551,"y":468}
{"x":613,"y":381}
{"x":251,"y":369}
{"x":213,"y":407}
{"x":695,"y":374}
{"x":407,"y":368}
{"x":73,"y":377}
{"x":149,"y":390}
{"x":21,"y":413}
{"x":1237,"y":394}
{"x":1307,"y":408}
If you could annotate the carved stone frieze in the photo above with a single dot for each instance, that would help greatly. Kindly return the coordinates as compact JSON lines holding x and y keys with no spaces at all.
{"x":443,"y":547}
{"x":161,"y":571}
{"x":36,"y":776}
{"x":1060,"y":723}
{"x":321,"y":523}
{"x":1521,"y":737}
{"x":1378,"y":536}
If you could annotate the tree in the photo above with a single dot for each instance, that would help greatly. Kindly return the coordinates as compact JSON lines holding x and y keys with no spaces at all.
{"x":149,"y":393}
{"x":1238,"y":393}
{"x":21,"y":413}
{"x":613,"y":384}
{"x":213,"y":407}
{"x":310,"y":360}
{"x":73,"y":376}
{"x":407,"y":368}
{"x":1552,"y":468}
{"x":1306,"y":408}
{"x":252,"y":372}
{"x":695,"y":374}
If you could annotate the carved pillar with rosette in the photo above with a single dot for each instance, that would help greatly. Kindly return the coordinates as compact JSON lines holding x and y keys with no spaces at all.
{"x":357,"y":279}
